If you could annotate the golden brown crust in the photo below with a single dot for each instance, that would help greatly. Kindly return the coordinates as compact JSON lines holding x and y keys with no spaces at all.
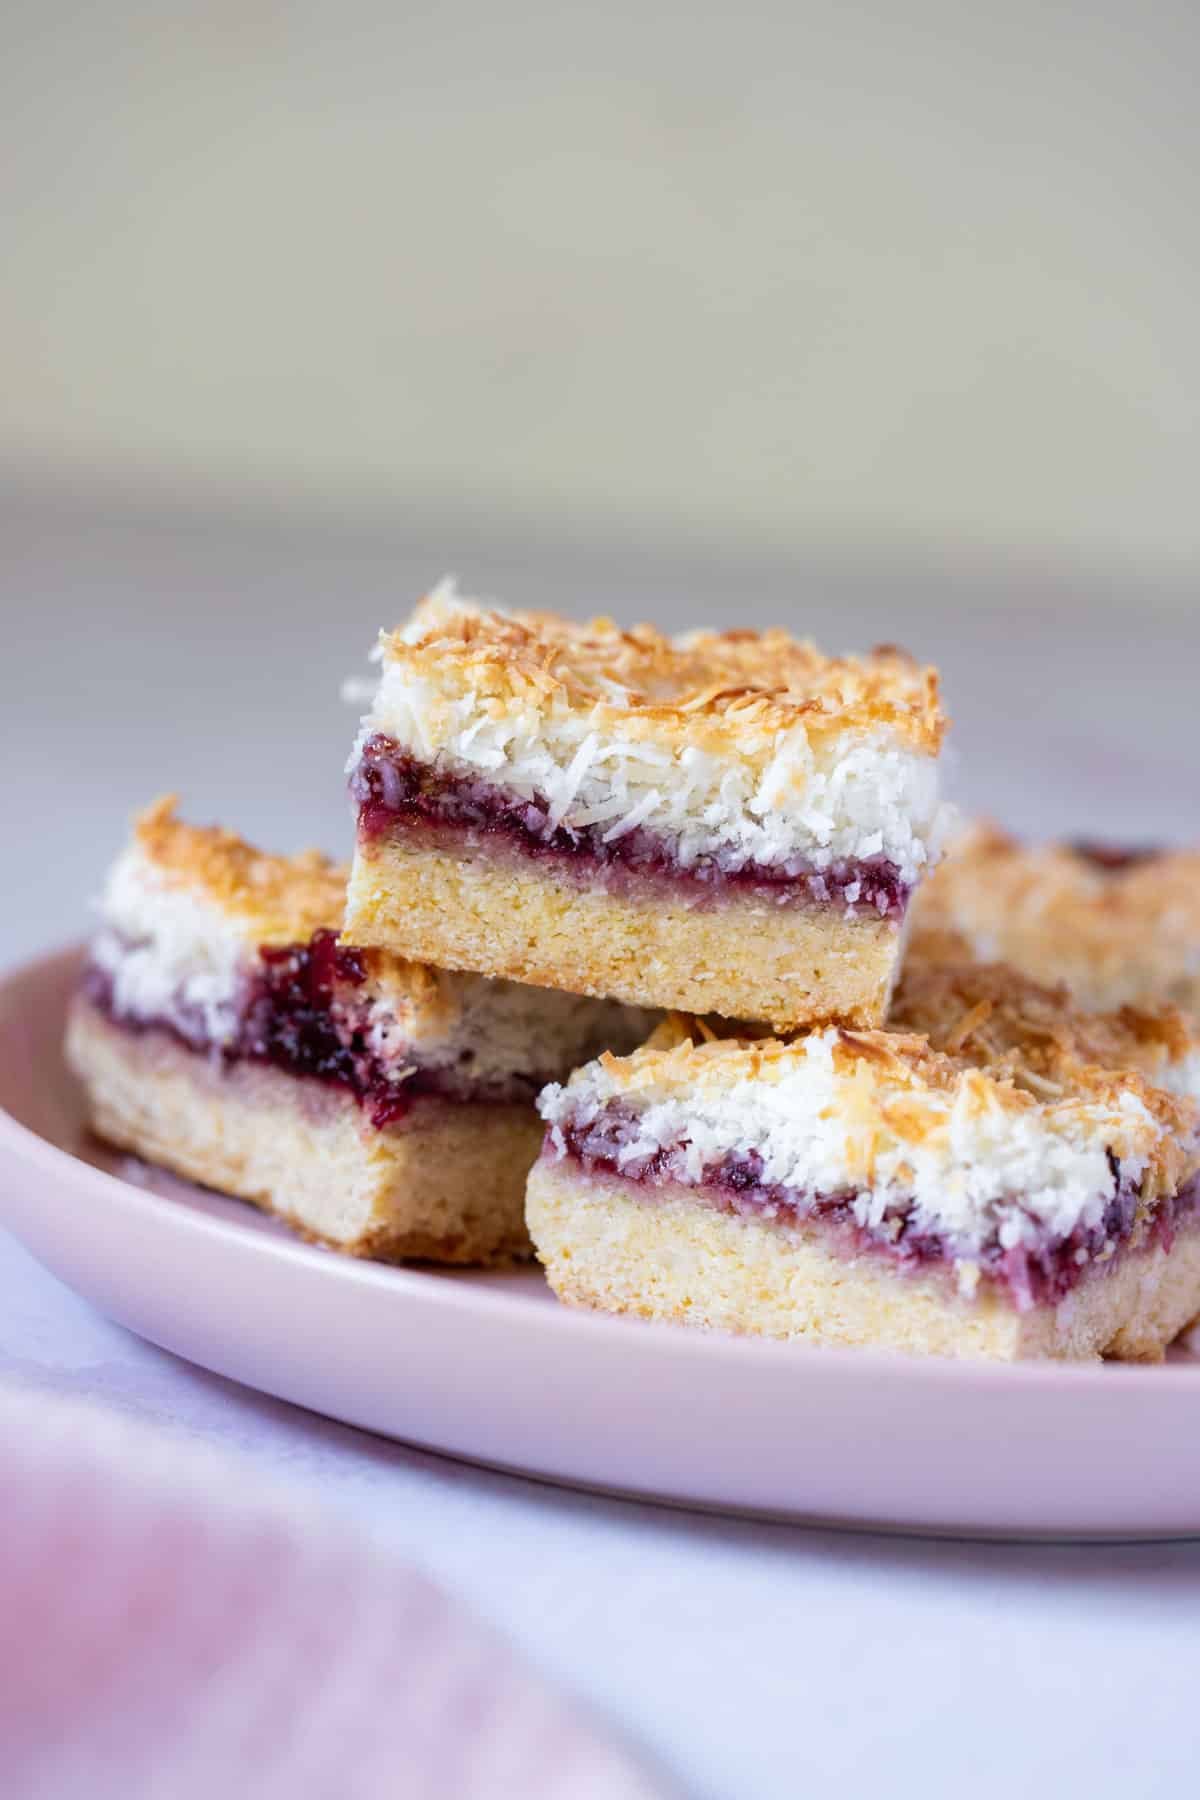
{"x":445,"y":1184}
{"x":519,"y":920}
{"x":283,"y":899}
{"x":1128,"y":932}
{"x":709,"y":686}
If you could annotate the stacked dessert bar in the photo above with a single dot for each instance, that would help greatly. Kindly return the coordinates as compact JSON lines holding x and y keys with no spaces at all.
{"x":377,"y":1104}
{"x":566,"y":832}
{"x":992,"y":1175}
{"x":1120,"y":926}
{"x":727,"y":822}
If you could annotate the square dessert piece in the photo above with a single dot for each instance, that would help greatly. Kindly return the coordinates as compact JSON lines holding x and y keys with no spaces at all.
{"x":993,"y":1177}
{"x":1119,"y":926}
{"x":726,"y":822}
{"x":380,"y":1106}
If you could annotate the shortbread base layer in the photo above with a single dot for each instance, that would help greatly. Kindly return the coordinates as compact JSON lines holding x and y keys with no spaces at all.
{"x":604,"y":1245}
{"x":737,"y":956}
{"x":446,"y":1183}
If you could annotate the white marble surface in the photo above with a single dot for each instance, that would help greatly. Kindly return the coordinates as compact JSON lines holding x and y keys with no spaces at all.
{"x":748,"y":1659}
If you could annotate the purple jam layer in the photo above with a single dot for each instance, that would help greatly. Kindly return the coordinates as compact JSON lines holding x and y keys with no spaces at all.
{"x":1114,"y":857}
{"x":300,"y":1012}
{"x":396,"y":793}
{"x":288,"y":1019}
{"x":1039,"y":1272}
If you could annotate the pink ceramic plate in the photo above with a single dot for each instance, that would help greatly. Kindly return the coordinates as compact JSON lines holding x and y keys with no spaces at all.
{"x":490,"y":1367}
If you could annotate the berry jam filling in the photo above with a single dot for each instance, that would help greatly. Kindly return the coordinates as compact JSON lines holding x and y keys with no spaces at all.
{"x":300,"y":1010}
{"x":294,"y":1017}
{"x":1114,"y":857}
{"x":394,"y":791}
{"x":1039,"y":1271}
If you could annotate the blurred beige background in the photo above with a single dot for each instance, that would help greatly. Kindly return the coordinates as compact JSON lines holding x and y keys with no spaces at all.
{"x":781,"y":274}
{"x":875,"y":320}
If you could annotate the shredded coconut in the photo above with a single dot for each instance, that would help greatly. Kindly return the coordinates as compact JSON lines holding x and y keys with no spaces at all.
{"x":972,"y":1170}
{"x":780,"y":799}
{"x":160,"y":945}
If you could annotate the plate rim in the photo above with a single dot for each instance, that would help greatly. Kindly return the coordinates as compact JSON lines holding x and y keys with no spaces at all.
{"x":445,"y":1288}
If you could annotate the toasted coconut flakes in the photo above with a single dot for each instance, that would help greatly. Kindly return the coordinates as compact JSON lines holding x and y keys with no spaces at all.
{"x":753,"y":748}
{"x":1115,"y":933}
{"x":1017,"y":1136}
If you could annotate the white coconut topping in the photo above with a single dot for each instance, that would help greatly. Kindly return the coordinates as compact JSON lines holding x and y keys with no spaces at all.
{"x":851,"y":798}
{"x":164,"y":948}
{"x":1181,"y":1076}
{"x":964,"y":1176}
{"x":777,"y":799}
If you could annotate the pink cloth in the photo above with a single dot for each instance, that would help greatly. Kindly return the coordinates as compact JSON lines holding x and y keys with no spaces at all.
{"x":170,"y":1628}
